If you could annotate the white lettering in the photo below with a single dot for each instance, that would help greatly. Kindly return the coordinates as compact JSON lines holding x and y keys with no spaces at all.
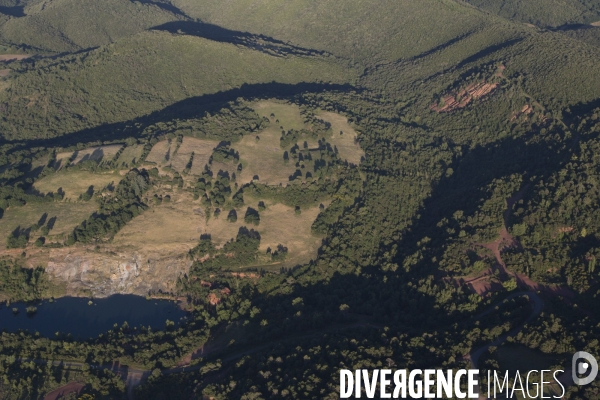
{"x":459,"y":374}
{"x":346,"y":383}
{"x":370,"y":385}
{"x":429,"y":383}
{"x":445,"y":383}
{"x":400,"y":383}
{"x":504,"y":382}
{"x":534,"y":384}
{"x":384,"y":383}
{"x":543,"y":383}
{"x":561,"y":386}
{"x":473,"y":383}
{"x":517,"y":377}
{"x":412,"y":384}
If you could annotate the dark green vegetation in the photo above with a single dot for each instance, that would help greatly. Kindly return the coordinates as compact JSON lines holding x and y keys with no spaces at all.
{"x":43,"y":27}
{"x":544,"y":13}
{"x":21,"y":284}
{"x":422,"y":213}
{"x":116,"y":209}
{"x":136,"y":76}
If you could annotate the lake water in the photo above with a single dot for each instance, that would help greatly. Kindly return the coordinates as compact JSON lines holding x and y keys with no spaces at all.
{"x":75,"y":316}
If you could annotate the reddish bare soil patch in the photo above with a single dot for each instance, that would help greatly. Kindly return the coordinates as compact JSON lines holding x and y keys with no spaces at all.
{"x":483,"y":284}
{"x":4,"y":72}
{"x":250,"y":275}
{"x":526,"y":110}
{"x":525,"y":281}
{"x":455,"y":101}
{"x":11,"y":57}
{"x":213,"y":299}
{"x":565,"y":229}
{"x":71,"y":387}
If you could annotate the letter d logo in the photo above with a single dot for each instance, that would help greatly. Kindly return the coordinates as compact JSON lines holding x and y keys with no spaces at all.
{"x":584,"y":367}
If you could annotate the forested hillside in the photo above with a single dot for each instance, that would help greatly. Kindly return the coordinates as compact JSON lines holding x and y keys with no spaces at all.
{"x":321,"y":185}
{"x":67,"y":26}
{"x":544,"y":13}
{"x":139,"y":75}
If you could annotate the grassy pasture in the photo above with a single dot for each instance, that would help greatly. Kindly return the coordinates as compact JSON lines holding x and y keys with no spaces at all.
{"x":169,"y":226}
{"x":278,"y":225}
{"x":176,"y":226}
{"x":74,"y":183}
{"x":161,"y":152}
{"x":348,"y":150}
{"x":62,"y":159}
{"x":130,"y":154}
{"x":264,"y":158}
{"x":97,"y":153}
{"x":67,"y":214}
{"x":288,"y":114}
{"x":202,"y":150}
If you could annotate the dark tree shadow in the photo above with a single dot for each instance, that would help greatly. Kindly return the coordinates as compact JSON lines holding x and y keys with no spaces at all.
{"x":257,"y":42}
{"x":581,"y":109}
{"x":193,"y":107}
{"x":97,"y":154}
{"x":51,"y":223}
{"x":573,"y":27}
{"x":164,"y":6}
{"x":43,"y":219}
{"x":465,"y":189}
{"x":15,"y":11}
{"x":487,"y":51}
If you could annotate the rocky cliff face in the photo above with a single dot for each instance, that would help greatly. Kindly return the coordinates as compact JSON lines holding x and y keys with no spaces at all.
{"x":100,"y":274}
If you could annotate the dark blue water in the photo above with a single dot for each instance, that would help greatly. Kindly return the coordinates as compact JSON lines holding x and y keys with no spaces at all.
{"x":73,"y":315}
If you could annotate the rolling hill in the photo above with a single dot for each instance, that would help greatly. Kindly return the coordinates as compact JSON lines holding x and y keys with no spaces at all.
{"x":139,"y":75}
{"x":69,"y":25}
{"x":544,"y":13}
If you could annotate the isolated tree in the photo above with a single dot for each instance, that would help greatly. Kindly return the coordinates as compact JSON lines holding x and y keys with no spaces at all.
{"x":252,"y":216}
{"x":232,"y":216}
